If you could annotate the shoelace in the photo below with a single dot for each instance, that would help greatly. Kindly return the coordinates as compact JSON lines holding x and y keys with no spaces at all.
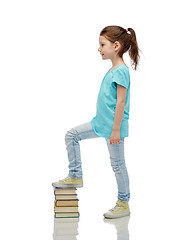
{"x":66,"y":179}
{"x":116,"y":208}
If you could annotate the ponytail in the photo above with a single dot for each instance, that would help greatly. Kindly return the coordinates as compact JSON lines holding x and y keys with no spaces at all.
{"x":133,"y":50}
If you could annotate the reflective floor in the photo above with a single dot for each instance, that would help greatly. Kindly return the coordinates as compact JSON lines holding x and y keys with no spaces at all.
{"x":68,"y":229}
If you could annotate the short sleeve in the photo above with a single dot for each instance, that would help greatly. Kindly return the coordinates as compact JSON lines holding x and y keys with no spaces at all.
{"x":121,"y":77}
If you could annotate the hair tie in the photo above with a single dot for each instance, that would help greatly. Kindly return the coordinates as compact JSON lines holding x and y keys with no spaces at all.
{"x":127,"y":30}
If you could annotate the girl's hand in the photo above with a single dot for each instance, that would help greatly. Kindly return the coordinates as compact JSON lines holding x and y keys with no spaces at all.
{"x":115,"y":137}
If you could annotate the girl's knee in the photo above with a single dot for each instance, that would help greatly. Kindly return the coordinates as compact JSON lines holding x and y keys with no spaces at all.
{"x":117,"y":164}
{"x":71,"y":134}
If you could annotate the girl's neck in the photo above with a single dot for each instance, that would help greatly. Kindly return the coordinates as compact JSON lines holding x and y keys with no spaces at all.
{"x":116,"y":62}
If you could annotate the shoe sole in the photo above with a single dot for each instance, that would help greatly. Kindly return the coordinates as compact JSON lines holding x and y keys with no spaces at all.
{"x":116,"y":216}
{"x":58,"y":185}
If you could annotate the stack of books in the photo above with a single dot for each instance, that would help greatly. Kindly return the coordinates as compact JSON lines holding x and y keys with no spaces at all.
{"x":66,"y":203}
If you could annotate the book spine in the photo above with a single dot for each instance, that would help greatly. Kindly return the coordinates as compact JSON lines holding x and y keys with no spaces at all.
{"x":66,"y":203}
{"x":70,"y":209}
{"x":66,"y":197}
{"x":67,"y":217}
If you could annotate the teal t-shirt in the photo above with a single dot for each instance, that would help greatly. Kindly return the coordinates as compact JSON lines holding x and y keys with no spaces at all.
{"x":102,"y":123}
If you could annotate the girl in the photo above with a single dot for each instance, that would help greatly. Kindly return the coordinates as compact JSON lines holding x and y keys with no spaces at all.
{"x":112,"y":115}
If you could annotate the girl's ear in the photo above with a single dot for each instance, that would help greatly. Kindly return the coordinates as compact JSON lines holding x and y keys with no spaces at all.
{"x":116,"y":45}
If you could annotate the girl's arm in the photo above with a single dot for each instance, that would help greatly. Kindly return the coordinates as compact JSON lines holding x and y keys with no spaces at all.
{"x":119,"y":111}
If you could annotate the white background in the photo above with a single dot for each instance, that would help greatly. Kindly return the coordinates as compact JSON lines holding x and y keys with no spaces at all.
{"x":50,"y":74}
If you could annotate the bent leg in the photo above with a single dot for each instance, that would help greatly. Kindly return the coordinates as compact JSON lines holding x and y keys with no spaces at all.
{"x":72,"y":138}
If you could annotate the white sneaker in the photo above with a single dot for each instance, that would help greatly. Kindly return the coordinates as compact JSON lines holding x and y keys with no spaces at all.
{"x":120,"y":210}
{"x":68,"y":182}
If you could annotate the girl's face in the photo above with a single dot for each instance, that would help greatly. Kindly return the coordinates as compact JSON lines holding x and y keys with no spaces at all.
{"x":107,"y":49}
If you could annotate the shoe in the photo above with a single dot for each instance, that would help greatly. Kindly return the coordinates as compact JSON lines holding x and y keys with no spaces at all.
{"x":120,"y":210}
{"x":69,"y":182}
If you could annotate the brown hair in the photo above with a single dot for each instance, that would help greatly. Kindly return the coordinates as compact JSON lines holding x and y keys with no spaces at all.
{"x":128,"y":41}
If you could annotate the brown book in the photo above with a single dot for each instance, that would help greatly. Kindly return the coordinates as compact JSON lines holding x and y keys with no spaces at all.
{"x":66,"y":197}
{"x":65,"y":209}
{"x":66,"y":203}
{"x":65,"y":191}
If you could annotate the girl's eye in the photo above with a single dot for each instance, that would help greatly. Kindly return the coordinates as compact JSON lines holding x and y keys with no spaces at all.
{"x":103,"y":44}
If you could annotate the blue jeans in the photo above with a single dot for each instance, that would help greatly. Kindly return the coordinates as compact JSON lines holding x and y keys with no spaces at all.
{"x":116,"y":151}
